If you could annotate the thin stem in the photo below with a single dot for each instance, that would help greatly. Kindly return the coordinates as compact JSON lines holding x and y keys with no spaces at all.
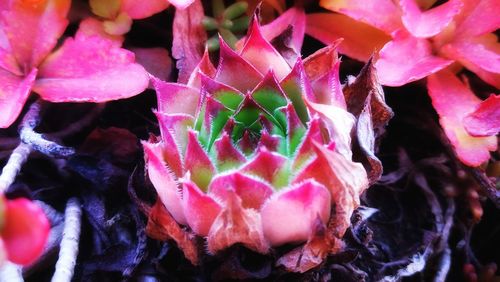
{"x":68,"y":252}
{"x":36,"y":140}
{"x":13,"y":166}
{"x":11,"y":273}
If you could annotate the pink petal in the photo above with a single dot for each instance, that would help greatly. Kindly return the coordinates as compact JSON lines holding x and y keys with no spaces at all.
{"x":270,"y":166}
{"x":177,"y":126}
{"x":480,"y":17}
{"x":200,"y":210}
{"x":94,"y":27}
{"x":418,"y":58}
{"x":382,"y":14}
{"x":360,"y":40}
{"x":252,"y":191}
{"x":289,"y":216}
{"x":156,"y":61}
{"x":176,"y":98}
{"x":33,"y":28}
{"x":480,"y":52}
{"x":236,"y":224}
{"x":431,"y":22}
{"x":197,"y":162}
{"x":7,"y":58}
{"x":485,"y":120}
{"x":232,"y":67}
{"x":90,"y":69}
{"x":453,"y":101}
{"x":14,"y":92}
{"x":227,"y":155}
{"x":25,"y":231}
{"x":143,"y":9}
{"x":163,"y":180}
{"x":262,"y":55}
{"x":181,"y":4}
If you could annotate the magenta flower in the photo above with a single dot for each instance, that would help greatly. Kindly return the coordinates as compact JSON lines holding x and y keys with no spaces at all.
{"x":258,"y":152}
{"x":118,"y":14}
{"x":86,"y":68}
{"x":416,"y":41}
{"x":24,"y":230}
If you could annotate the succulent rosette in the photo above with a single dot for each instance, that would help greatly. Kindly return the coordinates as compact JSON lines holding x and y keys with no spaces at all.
{"x":258,"y":152}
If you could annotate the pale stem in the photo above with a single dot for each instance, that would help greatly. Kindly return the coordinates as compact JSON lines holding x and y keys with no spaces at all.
{"x":68,"y":252}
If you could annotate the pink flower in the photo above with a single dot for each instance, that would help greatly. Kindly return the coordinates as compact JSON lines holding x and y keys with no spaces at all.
{"x":86,"y":68}
{"x":416,"y":41}
{"x":118,"y":14}
{"x":258,"y":151}
{"x":24,"y":230}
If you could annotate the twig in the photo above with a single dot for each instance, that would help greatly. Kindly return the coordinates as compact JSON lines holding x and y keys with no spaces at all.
{"x":50,"y":251}
{"x":68,"y":252}
{"x":13,"y":166}
{"x":486,"y":185}
{"x":11,"y":273}
{"x":36,"y":140}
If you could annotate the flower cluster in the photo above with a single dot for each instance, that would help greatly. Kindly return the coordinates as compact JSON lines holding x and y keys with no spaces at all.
{"x":417,"y":39}
{"x":258,"y":152}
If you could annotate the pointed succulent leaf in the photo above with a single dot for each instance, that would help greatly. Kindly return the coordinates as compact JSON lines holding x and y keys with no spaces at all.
{"x":177,"y":126}
{"x":322,"y":68}
{"x":261,"y":54}
{"x":306,"y":150}
{"x":204,"y":67}
{"x":200,"y":210}
{"x":252,"y":191}
{"x":197,"y":162}
{"x":226,"y":154}
{"x":288,"y":216}
{"x":485,"y":120}
{"x":472,"y":151}
{"x":271,"y":167}
{"x":232,"y":67}
{"x":164,"y":181}
{"x":176,"y":98}
{"x":297,"y":87}
{"x":236,"y":224}
{"x":227,"y":95}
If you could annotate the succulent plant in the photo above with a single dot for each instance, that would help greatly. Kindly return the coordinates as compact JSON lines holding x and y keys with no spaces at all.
{"x":258,"y":152}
